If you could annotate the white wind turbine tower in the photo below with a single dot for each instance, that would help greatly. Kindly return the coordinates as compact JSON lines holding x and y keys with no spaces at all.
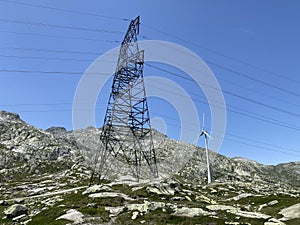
{"x":206,"y":136}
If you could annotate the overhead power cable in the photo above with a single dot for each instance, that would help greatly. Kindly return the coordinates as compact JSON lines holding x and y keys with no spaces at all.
{"x":94,"y":53}
{"x":80,"y":73}
{"x":59,"y":26}
{"x":50,"y":72}
{"x":50,"y":50}
{"x":237,"y":73}
{"x":60,"y":37}
{"x":225,"y":91}
{"x":159,"y":31}
{"x":67,"y":10}
{"x":253,"y":79}
{"x":230,"y":93}
{"x":243,"y":112}
{"x":256,"y":145}
{"x":172,"y":73}
{"x":219,"y":53}
{"x":261,"y":142}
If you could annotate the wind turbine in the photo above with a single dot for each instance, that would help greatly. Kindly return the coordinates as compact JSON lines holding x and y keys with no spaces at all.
{"x":206,"y":136}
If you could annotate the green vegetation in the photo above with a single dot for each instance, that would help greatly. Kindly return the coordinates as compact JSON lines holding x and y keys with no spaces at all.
{"x":80,"y":203}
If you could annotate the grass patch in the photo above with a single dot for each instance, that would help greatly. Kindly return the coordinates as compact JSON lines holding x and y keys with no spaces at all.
{"x":159,"y":217}
{"x":75,"y":201}
{"x":284,"y":201}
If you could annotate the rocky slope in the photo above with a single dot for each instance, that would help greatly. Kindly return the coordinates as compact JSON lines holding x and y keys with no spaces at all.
{"x":25,"y":149}
{"x":44,"y":177}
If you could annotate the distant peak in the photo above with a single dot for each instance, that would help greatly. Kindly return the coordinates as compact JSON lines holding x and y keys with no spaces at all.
{"x":241,"y":159}
{"x":56,"y":130}
{"x":4,"y":115}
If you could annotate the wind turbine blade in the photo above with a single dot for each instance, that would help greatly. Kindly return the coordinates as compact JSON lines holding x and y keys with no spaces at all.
{"x":208,"y":136}
{"x":203,"y":121}
{"x":202,"y":133}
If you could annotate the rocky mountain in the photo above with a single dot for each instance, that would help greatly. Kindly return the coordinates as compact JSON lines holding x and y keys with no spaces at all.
{"x":44,"y":176}
{"x":30,"y":150}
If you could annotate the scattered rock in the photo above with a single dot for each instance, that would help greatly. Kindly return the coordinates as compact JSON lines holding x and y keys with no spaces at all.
{"x":190,"y":212}
{"x":96,"y":188}
{"x":262,"y":206}
{"x":20,"y":218}
{"x":237,"y":211}
{"x":110,"y":195}
{"x":274,"y":221}
{"x":146,"y":206}
{"x":93,"y":205}
{"x":3,"y":202}
{"x":188,"y":198}
{"x":253,"y":215}
{"x":134,"y":215}
{"x":104,"y":195}
{"x":292,"y":212}
{"x":271,"y":203}
{"x":177,"y":198}
{"x":240,"y":196}
{"x":220,"y":207}
{"x":72,"y":215}
{"x":16,"y":210}
{"x":115,"y":211}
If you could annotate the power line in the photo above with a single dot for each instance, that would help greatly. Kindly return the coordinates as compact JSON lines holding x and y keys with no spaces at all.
{"x":60,"y":37}
{"x":246,"y":113}
{"x":261,"y":147}
{"x":231,"y":134}
{"x":255,"y":145}
{"x":53,"y":58}
{"x":45,"y":58}
{"x":70,"y":11}
{"x":225,"y":91}
{"x":215,"y":64}
{"x":253,"y":79}
{"x":233,"y":109}
{"x":50,"y":72}
{"x":67,"y":10}
{"x":261,"y":142}
{"x":50,"y":50}
{"x":259,"y":92}
{"x":157,"y":30}
{"x":59,"y":26}
{"x":239,"y":73}
{"x":220,"y":54}
{"x":238,"y":110}
{"x":252,"y":140}
{"x":230,"y":93}
{"x":80,"y":73}
{"x":91,"y":53}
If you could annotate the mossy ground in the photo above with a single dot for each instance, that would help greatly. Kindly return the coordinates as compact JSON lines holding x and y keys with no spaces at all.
{"x":95,"y":213}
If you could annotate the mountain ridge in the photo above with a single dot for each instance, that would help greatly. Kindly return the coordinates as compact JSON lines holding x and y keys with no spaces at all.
{"x":45,"y":173}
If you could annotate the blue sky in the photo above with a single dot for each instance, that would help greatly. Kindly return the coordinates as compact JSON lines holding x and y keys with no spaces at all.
{"x":251,"y":46}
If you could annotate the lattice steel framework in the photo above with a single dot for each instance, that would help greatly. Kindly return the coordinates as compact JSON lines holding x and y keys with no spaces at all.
{"x":126,"y":133}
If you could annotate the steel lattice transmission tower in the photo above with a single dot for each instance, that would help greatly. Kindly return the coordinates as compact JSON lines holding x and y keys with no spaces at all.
{"x":126,"y":132}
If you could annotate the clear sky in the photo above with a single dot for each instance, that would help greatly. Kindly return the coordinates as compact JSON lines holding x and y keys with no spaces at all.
{"x":252,"y":47}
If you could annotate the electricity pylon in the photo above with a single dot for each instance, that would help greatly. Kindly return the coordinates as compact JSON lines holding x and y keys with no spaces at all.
{"x":206,"y":136}
{"x":126,"y":133}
